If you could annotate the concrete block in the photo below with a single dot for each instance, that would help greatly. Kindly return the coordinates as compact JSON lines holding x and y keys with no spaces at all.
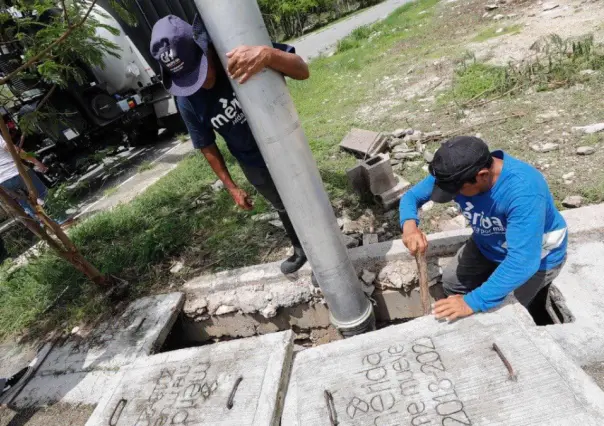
{"x":356,"y":179}
{"x":428,"y":372}
{"x":378,"y":174}
{"x":390,"y":198}
{"x":364,"y":142}
{"x":77,"y":370}
{"x":193,"y":386}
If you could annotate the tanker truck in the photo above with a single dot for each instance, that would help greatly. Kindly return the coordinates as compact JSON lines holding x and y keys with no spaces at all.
{"x":121,"y":103}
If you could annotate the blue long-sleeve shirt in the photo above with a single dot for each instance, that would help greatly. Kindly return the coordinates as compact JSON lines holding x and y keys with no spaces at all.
{"x":515,"y":224}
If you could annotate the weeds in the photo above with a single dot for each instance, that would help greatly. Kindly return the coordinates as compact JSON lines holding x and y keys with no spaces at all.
{"x":109,"y":192}
{"x":145,"y":165}
{"x":355,"y":39}
{"x":182,"y":137}
{"x":496,"y":32}
{"x":557,"y":62}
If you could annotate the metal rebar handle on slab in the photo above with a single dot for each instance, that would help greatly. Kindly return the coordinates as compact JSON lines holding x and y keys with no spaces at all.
{"x":424,"y":291}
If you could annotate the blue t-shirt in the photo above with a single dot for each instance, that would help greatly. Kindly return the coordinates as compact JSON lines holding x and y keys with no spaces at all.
{"x":515,"y":224}
{"x":217,"y":109}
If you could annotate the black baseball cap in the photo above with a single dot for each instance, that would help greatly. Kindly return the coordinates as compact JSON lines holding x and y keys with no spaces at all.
{"x":457,"y":160}
{"x":181,"y":49}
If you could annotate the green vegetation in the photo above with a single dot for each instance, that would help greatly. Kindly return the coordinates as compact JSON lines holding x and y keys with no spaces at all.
{"x":181,"y":216}
{"x":355,"y":39}
{"x":109,"y":192}
{"x":493,"y":32}
{"x":557,"y":63}
{"x":286,"y":19}
{"x":182,"y":137}
{"x":145,"y":165}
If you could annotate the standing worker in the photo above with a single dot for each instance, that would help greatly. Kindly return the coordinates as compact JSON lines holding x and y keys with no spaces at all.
{"x":192,"y":71}
{"x":519,"y":238}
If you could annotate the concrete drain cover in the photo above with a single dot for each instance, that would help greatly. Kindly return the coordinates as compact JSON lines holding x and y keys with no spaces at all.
{"x":430,"y":373}
{"x":232,"y":383}
{"x":78,"y":370}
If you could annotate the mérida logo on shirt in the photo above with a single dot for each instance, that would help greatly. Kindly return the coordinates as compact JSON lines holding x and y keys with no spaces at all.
{"x":232,"y":112}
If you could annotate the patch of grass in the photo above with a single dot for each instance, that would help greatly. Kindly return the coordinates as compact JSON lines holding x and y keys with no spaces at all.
{"x":109,"y":192}
{"x":182,"y":137}
{"x":593,"y":139}
{"x":355,"y":39}
{"x":480,"y":80}
{"x":493,"y":32}
{"x":145,"y":165}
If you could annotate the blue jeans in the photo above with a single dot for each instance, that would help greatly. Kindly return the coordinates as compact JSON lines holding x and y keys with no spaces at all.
{"x":17,"y":187}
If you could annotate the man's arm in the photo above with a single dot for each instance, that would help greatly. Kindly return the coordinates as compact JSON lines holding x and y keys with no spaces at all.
{"x":216,"y":161}
{"x":245,"y":61}
{"x":414,"y":239}
{"x":524,"y":237}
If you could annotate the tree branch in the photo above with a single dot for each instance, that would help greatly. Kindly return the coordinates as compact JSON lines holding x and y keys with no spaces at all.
{"x":65,"y":12}
{"x":45,"y":51}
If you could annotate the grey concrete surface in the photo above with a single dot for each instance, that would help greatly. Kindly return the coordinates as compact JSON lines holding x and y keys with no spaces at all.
{"x":192,"y":386}
{"x":323,"y":40}
{"x":78,"y":370}
{"x":429,"y":372}
{"x":139,"y":182}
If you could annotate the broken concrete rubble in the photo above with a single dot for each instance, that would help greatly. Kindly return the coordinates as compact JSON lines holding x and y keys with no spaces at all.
{"x":403,"y":275}
{"x":572,"y":201}
{"x":546,"y":147}
{"x":586,"y":150}
{"x":588,"y":130}
{"x":364,"y":142}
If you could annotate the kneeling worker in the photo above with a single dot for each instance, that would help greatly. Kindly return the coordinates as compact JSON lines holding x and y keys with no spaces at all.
{"x":519,"y":238}
{"x":192,"y":72}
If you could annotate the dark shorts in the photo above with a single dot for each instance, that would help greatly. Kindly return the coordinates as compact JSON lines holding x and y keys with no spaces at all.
{"x":469,"y":269}
{"x":261,"y":179}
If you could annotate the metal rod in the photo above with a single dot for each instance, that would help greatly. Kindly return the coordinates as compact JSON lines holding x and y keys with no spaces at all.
{"x":117,"y":412}
{"x":331,"y":409}
{"x":512,"y":376}
{"x":231,"y":399}
{"x":273,"y":119}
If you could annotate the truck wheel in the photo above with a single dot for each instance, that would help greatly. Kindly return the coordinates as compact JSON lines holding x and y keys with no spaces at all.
{"x":174,"y":124}
{"x":143,"y":135}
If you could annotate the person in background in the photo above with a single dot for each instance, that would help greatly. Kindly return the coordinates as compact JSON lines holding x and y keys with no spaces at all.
{"x":192,"y":71}
{"x":519,"y":238}
{"x":11,"y":181}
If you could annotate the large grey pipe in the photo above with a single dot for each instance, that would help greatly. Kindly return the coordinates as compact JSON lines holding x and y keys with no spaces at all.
{"x":275,"y":124}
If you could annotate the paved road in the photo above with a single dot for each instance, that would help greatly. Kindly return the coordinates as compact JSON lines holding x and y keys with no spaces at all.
{"x":323,"y":40}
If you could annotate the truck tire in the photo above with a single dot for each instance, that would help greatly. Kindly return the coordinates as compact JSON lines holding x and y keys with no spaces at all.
{"x":174,"y":124}
{"x":144,"y":134}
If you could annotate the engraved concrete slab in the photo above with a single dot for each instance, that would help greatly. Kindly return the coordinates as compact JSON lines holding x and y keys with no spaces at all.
{"x":194,"y":386}
{"x":78,"y":370}
{"x":430,"y":373}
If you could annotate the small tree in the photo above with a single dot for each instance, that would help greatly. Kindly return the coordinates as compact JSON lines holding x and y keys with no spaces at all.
{"x":52,"y":49}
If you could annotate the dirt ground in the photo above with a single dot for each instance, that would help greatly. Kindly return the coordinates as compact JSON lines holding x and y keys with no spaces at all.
{"x":56,"y":415}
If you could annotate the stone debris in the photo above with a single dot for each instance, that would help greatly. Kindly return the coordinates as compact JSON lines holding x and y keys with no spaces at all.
{"x":546,"y":147}
{"x":177,"y":267}
{"x":403,"y":275}
{"x":402,"y":148}
{"x":548,"y":116}
{"x":586,"y":150}
{"x":573,"y":201}
{"x":490,"y":7}
{"x":428,"y":206}
{"x":276,"y":223}
{"x":399,"y":133}
{"x":368,"y":277}
{"x":428,"y":156}
{"x":588,"y":130}
{"x":217,"y":186}
{"x":412,"y":155}
{"x":549,"y":6}
{"x":265,"y":217}
{"x":458,"y":222}
{"x":370,"y":239}
{"x":364,"y":142}
{"x":588,"y":72}
{"x":396,"y":142}
{"x":349,"y":241}
{"x":225,"y":309}
{"x":270,"y":311}
{"x":568,"y":176}
{"x":498,"y":17}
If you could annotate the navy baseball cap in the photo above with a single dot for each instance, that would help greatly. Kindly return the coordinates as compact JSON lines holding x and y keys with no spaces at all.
{"x":181,"y":50}
{"x":457,"y":160}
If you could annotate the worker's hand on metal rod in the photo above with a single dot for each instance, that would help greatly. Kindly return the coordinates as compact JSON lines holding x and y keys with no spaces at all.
{"x":451,"y":308}
{"x":414,"y":239}
{"x":241,"y":198}
{"x":245,"y":61}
